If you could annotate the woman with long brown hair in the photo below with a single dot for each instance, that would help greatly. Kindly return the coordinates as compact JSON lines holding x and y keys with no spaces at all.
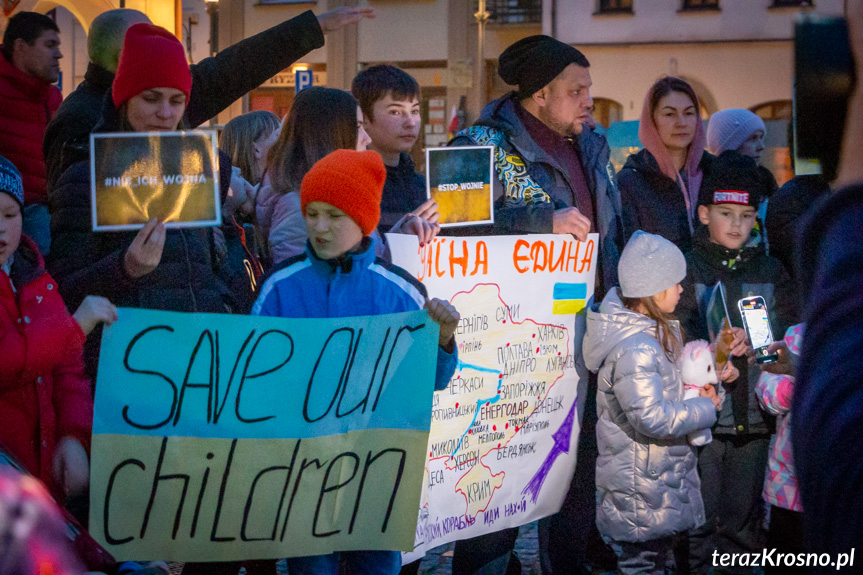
{"x":321,"y":121}
{"x":659,"y":185}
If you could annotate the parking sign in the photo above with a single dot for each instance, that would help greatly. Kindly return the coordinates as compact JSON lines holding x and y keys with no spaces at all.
{"x":303,"y":79}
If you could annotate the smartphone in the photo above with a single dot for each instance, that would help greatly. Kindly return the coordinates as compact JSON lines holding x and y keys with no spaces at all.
{"x":753,"y":310}
{"x":823,"y":81}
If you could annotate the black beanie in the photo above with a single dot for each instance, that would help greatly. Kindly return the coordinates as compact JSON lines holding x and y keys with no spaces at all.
{"x":533,"y":62}
{"x":732,"y":178}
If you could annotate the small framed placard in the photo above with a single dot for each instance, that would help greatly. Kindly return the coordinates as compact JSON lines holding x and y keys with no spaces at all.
{"x":173,"y":176}
{"x":459,"y":179}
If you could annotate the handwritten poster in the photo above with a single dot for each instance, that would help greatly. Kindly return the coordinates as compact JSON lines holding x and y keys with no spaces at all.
{"x":222,"y":437}
{"x":460,"y":180}
{"x":503,"y":437}
{"x":173,"y":176}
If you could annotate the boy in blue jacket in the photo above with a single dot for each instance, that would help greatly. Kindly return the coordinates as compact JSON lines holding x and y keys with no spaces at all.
{"x":339,"y":276}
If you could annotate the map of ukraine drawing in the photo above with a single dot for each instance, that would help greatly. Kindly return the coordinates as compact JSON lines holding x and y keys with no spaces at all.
{"x":506,"y":370}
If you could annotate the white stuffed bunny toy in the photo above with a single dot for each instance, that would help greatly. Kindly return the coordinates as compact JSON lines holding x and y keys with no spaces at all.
{"x":697,"y":369}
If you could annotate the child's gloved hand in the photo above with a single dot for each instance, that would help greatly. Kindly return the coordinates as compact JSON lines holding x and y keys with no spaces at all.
{"x":447,"y":316}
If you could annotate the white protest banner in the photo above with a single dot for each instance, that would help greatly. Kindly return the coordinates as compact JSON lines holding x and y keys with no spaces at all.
{"x":504,"y":433}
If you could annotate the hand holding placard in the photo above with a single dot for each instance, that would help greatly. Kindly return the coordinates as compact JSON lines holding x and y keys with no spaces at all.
{"x":145,"y":252}
{"x":422,"y":222}
{"x":446,"y":316}
{"x":571,"y":221}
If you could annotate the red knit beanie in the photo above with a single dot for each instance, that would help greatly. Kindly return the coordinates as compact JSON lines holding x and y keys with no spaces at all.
{"x":151,"y":57}
{"x":351,"y":181}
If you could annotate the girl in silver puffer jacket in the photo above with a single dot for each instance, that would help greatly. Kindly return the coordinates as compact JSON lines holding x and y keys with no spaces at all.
{"x":646,"y":477}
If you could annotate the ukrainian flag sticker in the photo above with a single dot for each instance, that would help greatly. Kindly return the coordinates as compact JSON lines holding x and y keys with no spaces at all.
{"x":569,"y":299}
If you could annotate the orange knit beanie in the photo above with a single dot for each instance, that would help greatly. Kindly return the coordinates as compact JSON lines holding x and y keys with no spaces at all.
{"x":351,"y":181}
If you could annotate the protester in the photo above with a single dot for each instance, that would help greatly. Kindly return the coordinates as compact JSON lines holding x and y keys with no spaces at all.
{"x":633,"y":342}
{"x":217,"y":82}
{"x":775,"y":392}
{"x":321,"y":121}
{"x":827,"y":414}
{"x":736,"y":459}
{"x":659,"y":184}
{"x":565,"y":186}
{"x":29,"y":66}
{"x":553,"y":176}
{"x":743,"y":131}
{"x":389,"y":99}
{"x":154,"y":268}
{"x":339,"y":276}
{"x":247,"y":139}
{"x":45,"y":402}
{"x":784,"y":219}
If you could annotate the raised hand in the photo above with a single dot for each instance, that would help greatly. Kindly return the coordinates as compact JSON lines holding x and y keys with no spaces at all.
{"x":335,"y":20}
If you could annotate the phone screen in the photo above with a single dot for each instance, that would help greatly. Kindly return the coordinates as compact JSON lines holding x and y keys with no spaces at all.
{"x":757,"y":323}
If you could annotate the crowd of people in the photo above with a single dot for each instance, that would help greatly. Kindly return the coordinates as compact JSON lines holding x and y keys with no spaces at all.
{"x":307,"y":200}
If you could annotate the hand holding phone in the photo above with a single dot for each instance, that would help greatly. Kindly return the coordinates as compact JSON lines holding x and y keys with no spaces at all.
{"x":753,"y":310}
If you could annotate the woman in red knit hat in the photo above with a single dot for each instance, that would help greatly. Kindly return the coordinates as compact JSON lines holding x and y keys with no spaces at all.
{"x":155,"y":268}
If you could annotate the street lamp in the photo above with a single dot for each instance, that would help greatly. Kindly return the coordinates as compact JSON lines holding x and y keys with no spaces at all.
{"x":213,"y":11}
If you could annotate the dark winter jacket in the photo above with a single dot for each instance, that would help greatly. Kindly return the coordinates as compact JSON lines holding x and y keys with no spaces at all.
{"x":26,"y":107}
{"x":404,"y":191}
{"x":44,"y":395}
{"x":548,"y":174}
{"x":188,"y":277}
{"x":827,"y":414}
{"x":653,"y":202}
{"x":216,"y":84}
{"x":784,"y":211}
{"x":744,"y":273}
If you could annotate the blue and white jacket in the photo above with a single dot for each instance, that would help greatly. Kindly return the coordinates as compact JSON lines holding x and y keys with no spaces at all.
{"x":352,"y":285}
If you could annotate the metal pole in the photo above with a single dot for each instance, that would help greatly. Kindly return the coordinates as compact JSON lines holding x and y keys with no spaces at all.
{"x":481,"y":16}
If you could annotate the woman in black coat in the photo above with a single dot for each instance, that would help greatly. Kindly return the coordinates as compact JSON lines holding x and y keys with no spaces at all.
{"x":153,"y":268}
{"x":659,"y":185}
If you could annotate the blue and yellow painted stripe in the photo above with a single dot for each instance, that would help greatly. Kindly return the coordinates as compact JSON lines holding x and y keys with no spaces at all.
{"x":569,"y":299}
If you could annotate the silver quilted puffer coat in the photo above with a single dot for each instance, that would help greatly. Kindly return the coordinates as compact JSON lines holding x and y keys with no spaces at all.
{"x":646,"y":478}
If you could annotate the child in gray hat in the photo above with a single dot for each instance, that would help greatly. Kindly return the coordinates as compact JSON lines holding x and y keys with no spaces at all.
{"x":648,"y":489}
